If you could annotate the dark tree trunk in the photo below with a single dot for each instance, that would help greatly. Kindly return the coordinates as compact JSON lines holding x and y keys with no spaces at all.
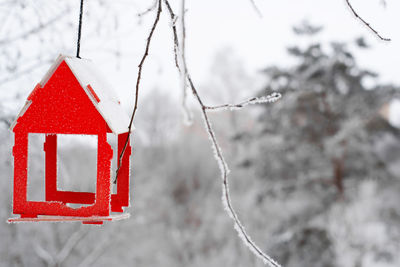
{"x":338,"y":174}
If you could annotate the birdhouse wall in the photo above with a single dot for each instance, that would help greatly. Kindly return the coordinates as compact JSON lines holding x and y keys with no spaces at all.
{"x":121,"y":199}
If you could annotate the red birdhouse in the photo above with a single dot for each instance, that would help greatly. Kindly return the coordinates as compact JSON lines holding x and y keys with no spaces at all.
{"x":73,"y":99}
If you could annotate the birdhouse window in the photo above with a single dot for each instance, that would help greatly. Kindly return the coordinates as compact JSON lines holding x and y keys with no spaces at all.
{"x":76,"y":171}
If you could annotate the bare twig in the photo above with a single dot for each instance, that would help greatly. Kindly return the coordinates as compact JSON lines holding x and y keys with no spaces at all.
{"x":139,"y":76}
{"x":254,"y":5}
{"x":149,"y":9}
{"x":255,"y":100}
{"x":179,"y":52}
{"x":36,"y":29}
{"x":182,"y":48}
{"x":176,"y":43}
{"x":25,"y":71}
{"x":6,"y":121}
{"x":98,"y":249}
{"x":66,"y":250}
{"x":365,"y":23}
{"x":43,"y":254}
{"x":225,"y":187}
{"x":70,"y":244}
{"x":218,"y":152}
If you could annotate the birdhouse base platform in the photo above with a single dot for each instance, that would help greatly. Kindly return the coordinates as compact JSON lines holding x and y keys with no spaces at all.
{"x":84,"y":220}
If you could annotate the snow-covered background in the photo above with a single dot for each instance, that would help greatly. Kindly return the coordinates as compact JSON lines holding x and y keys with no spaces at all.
{"x":315,"y":177}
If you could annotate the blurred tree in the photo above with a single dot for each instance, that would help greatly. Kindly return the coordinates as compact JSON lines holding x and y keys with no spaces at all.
{"x":318,"y":145}
{"x":325,"y":127}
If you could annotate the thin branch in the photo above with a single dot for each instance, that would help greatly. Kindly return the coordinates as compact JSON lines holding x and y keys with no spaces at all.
{"x":35,"y":29}
{"x":6,"y":121}
{"x":255,"y":7}
{"x":255,"y":100}
{"x":176,"y":42}
{"x":179,"y":52}
{"x":186,"y":112}
{"x":43,"y":254}
{"x":97,"y":251}
{"x":148,"y":10}
{"x":221,"y":160}
{"x":139,"y":76}
{"x":70,"y":244}
{"x":23,"y":72}
{"x":365,"y":23}
{"x":225,"y":187}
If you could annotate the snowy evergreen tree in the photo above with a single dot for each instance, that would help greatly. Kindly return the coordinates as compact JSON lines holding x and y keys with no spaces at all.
{"x":325,"y":127}
{"x":316,"y":152}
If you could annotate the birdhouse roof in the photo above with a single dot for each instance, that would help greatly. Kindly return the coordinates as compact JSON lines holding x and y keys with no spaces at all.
{"x":96,"y":87}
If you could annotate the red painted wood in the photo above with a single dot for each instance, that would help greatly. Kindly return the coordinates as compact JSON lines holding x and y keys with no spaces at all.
{"x":101,"y":206}
{"x":93,"y":93}
{"x":34,"y":91}
{"x":121,"y":199}
{"x":20,"y":152}
{"x":73,"y":197}
{"x":44,"y":218}
{"x":62,"y":106}
{"x":50,"y":149}
{"x":92,"y":222}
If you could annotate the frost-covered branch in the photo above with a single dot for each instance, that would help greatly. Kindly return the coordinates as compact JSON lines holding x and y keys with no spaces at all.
{"x":6,"y":121}
{"x":66,"y":250}
{"x":365,"y":22}
{"x":70,"y":244}
{"x":36,"y":29}
{"x":149,"y":9}
{"x":98,"y":249}
{"x":173,"y":25}
{"x":138,"y":79}
{"x":25,"y":71}
{"x":255,"y":100}
{"x":226,"y":199}
{"x":188,"y":117}
{"x":255,"y":7}
{"x":43,"y":254}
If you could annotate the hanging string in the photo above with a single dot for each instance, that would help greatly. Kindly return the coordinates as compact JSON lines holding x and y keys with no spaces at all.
{"x":78,"y":44}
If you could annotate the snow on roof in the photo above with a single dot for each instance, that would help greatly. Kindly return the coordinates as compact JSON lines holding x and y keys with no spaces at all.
{"x":394,"y":113}
{"x":86,"y":73}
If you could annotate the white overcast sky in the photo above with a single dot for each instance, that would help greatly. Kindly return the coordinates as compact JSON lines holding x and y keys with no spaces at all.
{"x":213,"y":25}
